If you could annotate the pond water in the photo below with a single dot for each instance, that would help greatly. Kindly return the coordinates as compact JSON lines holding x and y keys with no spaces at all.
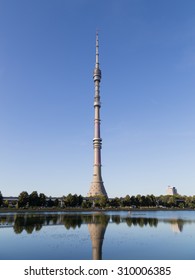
{"x":136,"y":235}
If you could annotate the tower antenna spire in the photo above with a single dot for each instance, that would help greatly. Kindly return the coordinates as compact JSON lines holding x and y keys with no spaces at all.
{"x":97,"y":50}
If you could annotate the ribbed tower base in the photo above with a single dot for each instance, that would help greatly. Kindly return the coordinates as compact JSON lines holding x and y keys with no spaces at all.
{"x":97,"y":189}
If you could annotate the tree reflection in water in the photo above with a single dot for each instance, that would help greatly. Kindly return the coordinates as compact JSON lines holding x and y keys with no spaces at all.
{"x":31,"y":222}
{"x":97,"y":224}
{"x":152,"y":222}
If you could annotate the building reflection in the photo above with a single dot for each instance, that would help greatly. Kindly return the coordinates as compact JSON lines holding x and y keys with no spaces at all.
{"x":97,"y":230}
{"x":177,"y":225}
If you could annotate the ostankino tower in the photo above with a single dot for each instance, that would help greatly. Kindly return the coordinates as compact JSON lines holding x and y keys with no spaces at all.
{"x":97,"y":185}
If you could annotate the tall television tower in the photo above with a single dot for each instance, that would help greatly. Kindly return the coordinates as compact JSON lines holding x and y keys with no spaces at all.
{"x":97,"y":185}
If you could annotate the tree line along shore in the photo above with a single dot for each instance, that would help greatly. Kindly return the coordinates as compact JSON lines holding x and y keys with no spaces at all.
{"x":73,"y":201}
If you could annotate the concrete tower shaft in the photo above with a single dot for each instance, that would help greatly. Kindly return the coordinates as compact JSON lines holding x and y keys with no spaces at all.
{"x":97,"y":185}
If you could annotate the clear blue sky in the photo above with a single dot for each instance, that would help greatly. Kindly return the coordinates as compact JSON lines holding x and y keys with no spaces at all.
{"x":147,"y":58}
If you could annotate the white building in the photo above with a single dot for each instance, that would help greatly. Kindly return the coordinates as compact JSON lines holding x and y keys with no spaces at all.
{"x":171,"y":190}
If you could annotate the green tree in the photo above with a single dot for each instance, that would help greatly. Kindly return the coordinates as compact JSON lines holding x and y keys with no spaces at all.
{"x":101,"y":201}
{"x":69,"y":200}
{"x":86,"y":204}
{"x":73,"y":200}
{"x":42,"y":199}
{"x":34,"y":199}
{"x":148,"y":200}
{"x":6,"y":203}
{"x":151,"y":199}
{"x":172,"y":201}
{"x":133,"y":200}
{"x":23,"y":199}
{"x":138,"y":200}
{"x":190,"y":202}
{"x":143,"y":201}
{"x":79,"y":200}
{"x":50,"y":203}
{"x":127,"y":200}
{"x":115,"y":202}
{"x":1,"y":199}
{"x":56,"y":202}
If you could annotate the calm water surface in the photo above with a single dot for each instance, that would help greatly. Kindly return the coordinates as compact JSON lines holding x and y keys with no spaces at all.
{"x":112,"y":235}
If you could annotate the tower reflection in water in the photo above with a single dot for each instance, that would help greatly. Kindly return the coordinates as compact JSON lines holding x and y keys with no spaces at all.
{"x":97,"y":229}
